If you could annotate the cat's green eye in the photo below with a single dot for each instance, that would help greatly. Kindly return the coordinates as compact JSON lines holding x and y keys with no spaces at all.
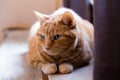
{"x":56,"y":37}
{"x":42,"y":36}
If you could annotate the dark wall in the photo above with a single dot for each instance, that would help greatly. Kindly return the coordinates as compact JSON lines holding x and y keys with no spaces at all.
{"x":107,"y":40}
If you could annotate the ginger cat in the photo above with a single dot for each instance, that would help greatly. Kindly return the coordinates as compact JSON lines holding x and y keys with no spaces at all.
{"x":60,"y":42}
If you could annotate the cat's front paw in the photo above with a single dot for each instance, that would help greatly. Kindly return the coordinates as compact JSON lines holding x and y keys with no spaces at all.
{"x":65,"y":68}
{"x":49,"y":68}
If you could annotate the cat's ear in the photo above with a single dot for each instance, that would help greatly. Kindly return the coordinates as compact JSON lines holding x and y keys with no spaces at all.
{"x":41,"y":17}
{"x":68,"y":19}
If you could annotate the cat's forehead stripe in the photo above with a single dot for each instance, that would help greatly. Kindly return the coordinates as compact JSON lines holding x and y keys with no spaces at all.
{"x":49,"y":23}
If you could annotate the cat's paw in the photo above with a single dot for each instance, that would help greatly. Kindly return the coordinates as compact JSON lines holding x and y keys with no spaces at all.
{"x":65,"y":68}
{"x":49,"y":68}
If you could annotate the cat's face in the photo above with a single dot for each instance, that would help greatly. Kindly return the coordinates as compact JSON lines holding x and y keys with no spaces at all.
{"x":56,"y":36}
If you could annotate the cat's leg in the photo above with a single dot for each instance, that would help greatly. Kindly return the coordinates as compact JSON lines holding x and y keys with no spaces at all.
{"x":65,"y":68}
{"x":49,"y":68}
{"x":88,"y":54}
{"x":37,"y":64}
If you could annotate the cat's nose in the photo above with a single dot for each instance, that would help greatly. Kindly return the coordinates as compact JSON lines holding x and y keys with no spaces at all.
{"x":47,"y":48}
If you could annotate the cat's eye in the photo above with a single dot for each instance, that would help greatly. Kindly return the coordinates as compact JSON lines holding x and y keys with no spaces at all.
{"x":56,"y":37}
{"x":42,"y":36}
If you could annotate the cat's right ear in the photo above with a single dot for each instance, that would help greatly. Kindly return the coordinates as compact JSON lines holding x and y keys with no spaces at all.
{"x":41,"y":17}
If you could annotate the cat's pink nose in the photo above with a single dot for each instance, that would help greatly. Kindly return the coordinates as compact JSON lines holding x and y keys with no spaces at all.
{"x":47,"y":48}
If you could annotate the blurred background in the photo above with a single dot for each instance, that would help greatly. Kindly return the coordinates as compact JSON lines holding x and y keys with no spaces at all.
{"x":20,"y":13}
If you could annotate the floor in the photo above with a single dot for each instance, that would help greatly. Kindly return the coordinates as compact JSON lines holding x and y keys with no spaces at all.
{"x":14,"y":66}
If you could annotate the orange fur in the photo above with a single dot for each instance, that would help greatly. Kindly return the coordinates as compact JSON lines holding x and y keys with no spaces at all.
{"x":61,"y":42}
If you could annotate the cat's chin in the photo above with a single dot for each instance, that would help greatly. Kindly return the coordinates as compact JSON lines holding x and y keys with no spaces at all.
{"x":51,"y":53}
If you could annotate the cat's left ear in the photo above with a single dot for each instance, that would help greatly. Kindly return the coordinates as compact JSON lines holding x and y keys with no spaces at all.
{"x":41,"y":17}
{"x":67,"y":19}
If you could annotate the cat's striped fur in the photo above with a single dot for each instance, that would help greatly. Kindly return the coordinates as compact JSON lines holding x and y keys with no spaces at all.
{"x":60,"y":42}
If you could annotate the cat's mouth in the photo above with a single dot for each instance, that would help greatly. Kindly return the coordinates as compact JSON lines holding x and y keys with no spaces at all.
{"x":52,"y":52}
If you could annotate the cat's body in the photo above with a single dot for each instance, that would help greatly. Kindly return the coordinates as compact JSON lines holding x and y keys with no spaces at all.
{"x":60,"y":42}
